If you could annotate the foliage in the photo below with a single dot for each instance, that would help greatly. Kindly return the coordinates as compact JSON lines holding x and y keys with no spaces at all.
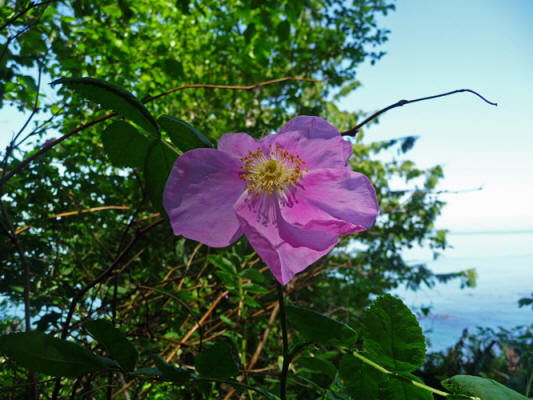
{"x":499,"y":354}
{"x":148,"y":315}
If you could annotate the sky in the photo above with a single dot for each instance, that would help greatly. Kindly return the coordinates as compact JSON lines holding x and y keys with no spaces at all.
{"x":438,"y":46}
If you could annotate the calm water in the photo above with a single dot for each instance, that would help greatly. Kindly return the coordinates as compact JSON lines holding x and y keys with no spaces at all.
{"x":504,"y":266}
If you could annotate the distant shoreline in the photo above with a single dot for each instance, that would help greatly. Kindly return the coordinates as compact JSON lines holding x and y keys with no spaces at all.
{"x":491,"y":232}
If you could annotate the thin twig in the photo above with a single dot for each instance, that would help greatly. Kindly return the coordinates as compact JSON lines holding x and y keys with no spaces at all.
{"x":229,"y":87}
{"x":21,"y":13}
{"x":100,"y":278}
{"x":259,"y":348}
{"x":355,"y":129}
{"x":48,"y":146}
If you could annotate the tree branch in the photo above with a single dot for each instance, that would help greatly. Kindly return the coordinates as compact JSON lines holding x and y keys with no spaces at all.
{"x":355,"y":129}
{"x":48,"y":146}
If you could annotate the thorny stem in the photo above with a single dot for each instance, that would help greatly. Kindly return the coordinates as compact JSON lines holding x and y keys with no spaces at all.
{"x":286,"y":360}
{"x":355,"y":129}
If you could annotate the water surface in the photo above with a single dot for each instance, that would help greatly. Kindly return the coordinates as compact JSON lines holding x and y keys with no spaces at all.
{"x":504,"y":265}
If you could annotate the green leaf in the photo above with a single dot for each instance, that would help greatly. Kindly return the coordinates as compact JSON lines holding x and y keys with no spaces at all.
{"x":317,"y":364}
{"x":283,"y":30}
{"x":222,"y":263}
{"x":151,"y":372}
{"x":485,"y":389}
{"x":392,"y":336}
{"x":361,"y":381}
{"x":241,"y":386}
{"x":253,"y":274}
{"x":395,"y":389}
{"x":249,"y":32}
{"x":157,"y":166}
{"x":114,"y":341}
{"x":323,"y":371}
{"x":170,"y":372}
{"x":184,"y":136}
{"x":112,"y":97}
{"x":320,"y":328}
{"x":216,"y":362}
{"x":44,"y":353}
{"x":125,"y":145}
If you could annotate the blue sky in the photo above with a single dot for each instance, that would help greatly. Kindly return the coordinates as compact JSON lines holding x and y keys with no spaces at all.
{"x":434,"y":47}
{"x":438,"y":46}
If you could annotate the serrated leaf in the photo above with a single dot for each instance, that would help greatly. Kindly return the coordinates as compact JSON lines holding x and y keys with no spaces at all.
{"x":392,"y":336}
{"x":318,"y":365}
{"x":360,"y":380}
{"x":254,"y":288}
{"x":395,"y":389}
{"x":250,"y":301}
{"x":222,"y":263}
{"x":157,"y":166}
{"x":114,"y":98}
{"x":252,"y":274}
{"x":172,"y":373}
{"x":320,"y":328}
{"x":125,"y":145}
{"x":114,"y":341}
{"x":51,"y":356}
{"x":183,"y":135}
{"x":216,"y":362}
{"x":485,"y":389}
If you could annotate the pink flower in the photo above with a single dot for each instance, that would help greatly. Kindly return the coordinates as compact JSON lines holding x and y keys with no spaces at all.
{"x":292,"y":194}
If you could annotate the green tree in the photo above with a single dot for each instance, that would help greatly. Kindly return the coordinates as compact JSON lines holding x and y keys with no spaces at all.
{"x":85,"y":230}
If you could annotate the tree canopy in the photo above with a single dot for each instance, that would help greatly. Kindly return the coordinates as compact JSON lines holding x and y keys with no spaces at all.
{"x":86,"y":240}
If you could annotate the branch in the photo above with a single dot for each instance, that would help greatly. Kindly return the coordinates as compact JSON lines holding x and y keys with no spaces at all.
{"x":355,"y":129}
{"x":21,"y":13}
{"x":48,"y":146}
{"x":229,"y":87}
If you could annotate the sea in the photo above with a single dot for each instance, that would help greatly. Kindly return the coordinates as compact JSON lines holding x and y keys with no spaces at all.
{"x":504,"y":265}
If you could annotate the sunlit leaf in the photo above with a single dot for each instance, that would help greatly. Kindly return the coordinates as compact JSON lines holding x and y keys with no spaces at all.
{"x":392,"y":336}
{"x":485,"y":389}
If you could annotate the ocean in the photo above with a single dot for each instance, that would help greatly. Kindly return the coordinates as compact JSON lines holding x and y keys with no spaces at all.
{"x":504,"y":265}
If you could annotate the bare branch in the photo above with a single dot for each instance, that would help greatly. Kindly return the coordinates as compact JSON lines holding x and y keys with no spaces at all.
{"x":355,"y":129}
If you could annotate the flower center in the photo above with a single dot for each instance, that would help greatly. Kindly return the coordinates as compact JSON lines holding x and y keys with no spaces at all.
{"x":272,"y":172}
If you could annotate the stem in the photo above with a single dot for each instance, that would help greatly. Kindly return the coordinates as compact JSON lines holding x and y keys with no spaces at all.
{"x":528,"y":387}
{"x":23,"y":164}
{"x":286,"y":361}
{"x":11,"y":232}
{"x":402,"y":378}
{"x":355,"y":129}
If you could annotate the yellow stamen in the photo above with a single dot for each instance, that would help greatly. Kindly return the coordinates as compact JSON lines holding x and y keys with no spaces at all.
{"x":269,"y":172}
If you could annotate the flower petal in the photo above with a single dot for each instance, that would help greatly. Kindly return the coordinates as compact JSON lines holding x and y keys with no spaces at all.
{"x":201,"y":190}
{"x":237,"y":144}
{"x":338,"y":201}
{"x":311,"y":127}
{"x":284,"y":248}
{"x":316,"y":153}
